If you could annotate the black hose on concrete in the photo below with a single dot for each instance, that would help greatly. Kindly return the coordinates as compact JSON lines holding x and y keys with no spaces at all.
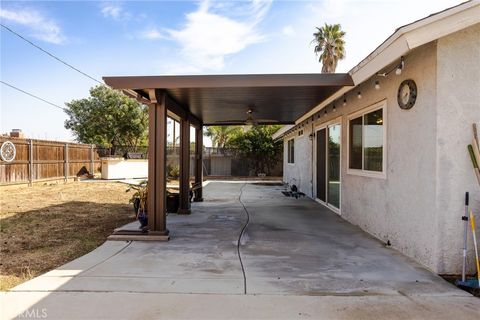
{"x":240,"y":238}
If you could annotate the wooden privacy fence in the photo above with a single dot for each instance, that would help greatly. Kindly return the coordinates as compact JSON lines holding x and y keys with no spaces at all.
{"x":41,"y":160}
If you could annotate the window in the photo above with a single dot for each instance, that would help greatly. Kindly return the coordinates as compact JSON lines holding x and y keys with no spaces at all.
{"x":300,"y":133}
{"x":367,"y":141}
{"x":291,"y":151}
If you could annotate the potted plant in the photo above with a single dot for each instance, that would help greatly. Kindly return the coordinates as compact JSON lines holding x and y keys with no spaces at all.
{"x":173,"y":171}
{"x":173,"y":198}
{"x":139,"y":200}
{"x":173,"y":202}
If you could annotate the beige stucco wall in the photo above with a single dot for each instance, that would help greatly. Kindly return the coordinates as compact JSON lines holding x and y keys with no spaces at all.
{"x":399,"y":208}
{"x":299,"y":173}
{"x":417,"y":207}
{"x":458,"y":106}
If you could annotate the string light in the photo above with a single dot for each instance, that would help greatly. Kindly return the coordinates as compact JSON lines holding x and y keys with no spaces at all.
{"x":400,"y":67}
{"x":359,"y":95}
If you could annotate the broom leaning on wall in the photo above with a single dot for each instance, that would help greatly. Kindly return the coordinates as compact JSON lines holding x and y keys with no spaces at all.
{"x":474,"y":152}
{"x":476,"y":156}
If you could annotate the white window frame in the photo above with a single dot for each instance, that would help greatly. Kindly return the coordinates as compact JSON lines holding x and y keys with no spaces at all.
{"x":361,"y":113}
{"x":300,"y":133}
{"x":288,"y":151}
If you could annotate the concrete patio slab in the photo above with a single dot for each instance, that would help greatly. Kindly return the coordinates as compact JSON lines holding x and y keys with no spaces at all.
{"x":141,"y":306}
{"x":304,"y":248}
{"x":301,"y":260}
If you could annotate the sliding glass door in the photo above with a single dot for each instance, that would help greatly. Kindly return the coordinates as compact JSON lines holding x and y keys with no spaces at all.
{"x":333,"y":164}
{"x":328,"y":145}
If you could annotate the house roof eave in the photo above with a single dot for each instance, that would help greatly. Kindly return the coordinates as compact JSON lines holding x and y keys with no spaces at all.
{"x":405,"y":39}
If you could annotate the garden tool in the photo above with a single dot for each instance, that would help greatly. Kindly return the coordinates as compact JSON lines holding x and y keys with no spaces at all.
{"x":472,"y":223}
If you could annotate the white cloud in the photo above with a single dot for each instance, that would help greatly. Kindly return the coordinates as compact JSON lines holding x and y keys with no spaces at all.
{"x":288,"y":30}
{"x":294,"y":54}
{"x":41,"y":27}
{"x":114,"y":11}
{"x":111,"y":11}
{"x":176,"y":68}
{"x":213,"y":32}
{"x":333,"y":9}
{"x":152,"y":34}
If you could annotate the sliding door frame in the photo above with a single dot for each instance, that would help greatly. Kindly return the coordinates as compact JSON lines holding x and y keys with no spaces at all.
{"x":327,"y":125}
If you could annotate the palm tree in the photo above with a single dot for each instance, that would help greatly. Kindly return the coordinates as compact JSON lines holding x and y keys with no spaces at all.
{"x":330,"y":46}
{"x":220,"y":135}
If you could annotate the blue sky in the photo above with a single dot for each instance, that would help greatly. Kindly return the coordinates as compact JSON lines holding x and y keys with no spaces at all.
{"x":172,"y":37}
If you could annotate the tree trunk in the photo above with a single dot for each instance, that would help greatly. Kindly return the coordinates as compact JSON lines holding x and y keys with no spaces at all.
{"x":113,"y":148}
{"x":324,"y":68}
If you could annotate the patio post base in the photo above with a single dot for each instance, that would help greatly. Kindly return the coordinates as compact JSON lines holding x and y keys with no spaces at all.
{"x":166,"y":232}
{"x":142,"y":237}
{"x":138,"y":235}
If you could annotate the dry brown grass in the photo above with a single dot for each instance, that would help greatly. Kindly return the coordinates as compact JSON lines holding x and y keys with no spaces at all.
{"x":43,"y":227}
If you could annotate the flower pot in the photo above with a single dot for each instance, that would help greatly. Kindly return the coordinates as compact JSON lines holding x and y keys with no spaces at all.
{"x":173,"y":202}
{"x":143,"y":219}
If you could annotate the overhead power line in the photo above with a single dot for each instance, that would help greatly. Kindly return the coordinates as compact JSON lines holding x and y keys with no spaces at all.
{"x":32,"y":95}
{"x":50,"y":54}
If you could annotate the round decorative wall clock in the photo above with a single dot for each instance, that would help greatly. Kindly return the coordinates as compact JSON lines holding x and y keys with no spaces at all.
{"x":8,"y":151}
{"x":407,"y":94}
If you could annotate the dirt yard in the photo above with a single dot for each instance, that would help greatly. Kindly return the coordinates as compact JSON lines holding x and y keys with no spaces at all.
{"x":45,"y":226}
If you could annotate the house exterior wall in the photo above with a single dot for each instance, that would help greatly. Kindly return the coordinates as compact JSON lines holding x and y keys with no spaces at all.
{"x":399,"y":208}
{"x":299,"y":173}
{"x":417,"y":207}
{"x":458,"y":106}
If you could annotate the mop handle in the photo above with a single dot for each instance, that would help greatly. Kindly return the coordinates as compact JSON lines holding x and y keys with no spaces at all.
{"x":465,"y":229}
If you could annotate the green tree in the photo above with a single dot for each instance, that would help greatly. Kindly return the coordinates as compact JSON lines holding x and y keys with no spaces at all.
{"x":221,"y":135}
{"x":329,"y":46}
{"x":108,"y":118}
{"x":258,"y":146}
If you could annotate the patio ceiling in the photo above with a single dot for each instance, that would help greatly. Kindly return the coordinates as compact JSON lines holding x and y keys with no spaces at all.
{"x":225,"y":99}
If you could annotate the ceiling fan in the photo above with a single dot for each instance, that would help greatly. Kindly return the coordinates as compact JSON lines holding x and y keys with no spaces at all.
{"x":249,"y":121}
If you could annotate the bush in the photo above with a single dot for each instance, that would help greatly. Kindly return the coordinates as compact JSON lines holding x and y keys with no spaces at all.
{"x":173,"y":171}
{"x":258,"y":146}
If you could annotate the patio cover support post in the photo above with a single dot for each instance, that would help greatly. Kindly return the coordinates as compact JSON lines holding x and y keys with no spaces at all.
{"x":184,"y":167}
{"x":199,"y":163}
{"x":157,"y":156}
